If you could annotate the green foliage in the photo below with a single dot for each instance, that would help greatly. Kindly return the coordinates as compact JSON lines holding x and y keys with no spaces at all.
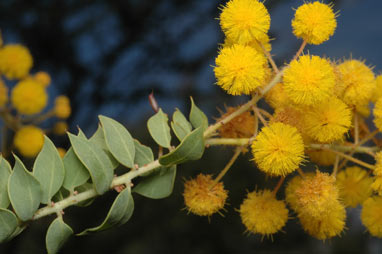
{"x":98,"y":139}
{"x":5,"y":172}
{"x":76,"y":173}
{"x":57,"y":234}
{"x":8,"y":222}
{"x":197,"y":117}
{"x":180,"y":125}
{"x":159,"y":129}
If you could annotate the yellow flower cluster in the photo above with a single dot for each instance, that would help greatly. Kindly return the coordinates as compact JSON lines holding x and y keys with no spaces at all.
{"x":29,"y":140}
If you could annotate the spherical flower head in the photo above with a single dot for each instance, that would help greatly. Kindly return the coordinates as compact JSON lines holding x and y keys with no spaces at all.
{"x":371,"y":215}
{"x":242,"y":126}
{"x":316,"y":195}
{"x":328,"y":121}
{"x":29,"y":97}
{"x":377,"y":185}
{"x":354,"y":185}
{"x":240,"y":69}
{"x":201,"y":199}
{"x":278,"y":149}
{"x":15,"y":61}
{"x":378,"y":91}
{"x":245,"y":20}
{"x":61,"y":152}
{"x":377,"y":112}
{"x":322,"y":157}
{"x":378,"y":165}
{"x":43,"y":78}
{"x":62,"y":107}
{"x":60,"y":128}
{"x":277,"y":97}
{"x":309,"y":80}
{"x":262,"y":213}
{"x":357,"y":81}
{"x":290,"y":190}
{"x":327,"y":225}
{"x":314,"y":22}
{"x":29,"y":140}
{"x":3,"y":94}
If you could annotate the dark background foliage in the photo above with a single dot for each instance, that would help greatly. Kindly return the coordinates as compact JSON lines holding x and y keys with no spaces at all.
{"x":107,"y":56}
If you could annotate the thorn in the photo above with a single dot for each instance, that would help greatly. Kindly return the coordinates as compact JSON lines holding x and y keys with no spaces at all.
{"x":62,"y":212}
{"x":119,"y":188}
{"x":131,"y":184}
{"x":75,"y":193}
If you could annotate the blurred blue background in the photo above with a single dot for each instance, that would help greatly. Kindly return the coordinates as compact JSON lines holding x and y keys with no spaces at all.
{"x":107,"y":56}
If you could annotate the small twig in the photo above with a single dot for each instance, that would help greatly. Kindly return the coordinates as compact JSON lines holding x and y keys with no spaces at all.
{"x":300,"y":172}
{"x":270,"y":59}
{"x":259,"y":115}
{"x":280,"y":182}
{"x":335,"y":169}
{"x":359,"y":162}
{"x":299,"y":51}
{"x":356,"y":129}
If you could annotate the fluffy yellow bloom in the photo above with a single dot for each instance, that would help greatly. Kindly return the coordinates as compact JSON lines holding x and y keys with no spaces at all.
{"x":377,"y":112}
{"x":322,"y":157}
{"x":60,"y":128}
{"x":245,"y":20}
{"x":314,"y":22}
{"x":326,"y":225}
{"x":316,"y":195}
{"x":201,"y":199}
{"x":15,"y":61}
{"x":256,"y":44}
{"x":277,"y":97}
{"x":61,"y":151}
{"x":3,"y":93}
{"x":29,"y":140}
{"x":378,"y":91}
{"x":354,"y":185}
{"x":378,"y":165}
{"x":278,"y":149}
{"x":290,"y":190}
{"x":309,"y":80}
{"x":357,"y":81}
{"x":62,"y":107}
{"x":240,"y":69}
{"x":262,"y":213}
{"x":377,"y":185}
{"x":328,"y":121}
{"x":371,"y":215}
{"x":242,"y":126}
{"x":43,"y":78}
{"x":29,"y":97}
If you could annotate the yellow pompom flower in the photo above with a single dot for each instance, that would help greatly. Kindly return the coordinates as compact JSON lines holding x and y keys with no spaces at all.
{"x":290,"y":190}
{"x":377,"y":185}
{"x":314,"y":22}
{"x":15,"y":61}
{"x":354,"y":185}
{"x":62,"y":107}
{"x":277,"y":97}
{"x":327,"y":225}
{"x":378,"y":91}
{"x":29,"y":140}
{"x":256,"y":44}
{"x":371,"y":215}
{"x":278,"y":149}
{"x":378,"y":165}
{"x":357,"y":82}
{"x":245,"y":20}
{"x":242,"y":126}
{"x":29,"y":97}
{"x":3,"y":93}
{"x":43,"y":78}
{"x":309,"y":80}
{"x":322,"y":157}
{"x":201,"y":199}
{"x":377,"y":112}
{"x":240,"y":69}
{"x":61,"y":152}
{"x":262,"y":213}
{"x":328,"y":121}
{"x":60,"y":128}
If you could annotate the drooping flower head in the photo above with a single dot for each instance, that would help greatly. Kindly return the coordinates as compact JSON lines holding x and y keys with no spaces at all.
{"x":15,"y":61}
{"x":240,"y":69}
{"x":278,"y":149}
{"x":371,"y":215}
{"x":314,"y":22}
{"x":29,"y":140}
{"x":309,"y":80}
{"x":245,"y":20}
{"x":29,"y":97}
{"x":262,"y":213}
{"x":203,"y":196}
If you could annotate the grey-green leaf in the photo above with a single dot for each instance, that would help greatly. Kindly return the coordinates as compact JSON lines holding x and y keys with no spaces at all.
{"x":119,"y":141}
{"x":49,"y":170}
{"x":119,"y":213}
{"x":5,"y":172}
{"x":98,"y":139}
{"x":159,"y":184}
{"x":143,"y":154}
{"x":83,"y":188}
{"x":191,"y":148}
{"x":8,"y":224}
{"x":57,"y":234}
{"x":95,"y":160}
{"x":180,"y":125}
{"x":76,"y":173}
{"x":159,"y":129}
{"x":197,"y":117}
{"x":24,"y":191}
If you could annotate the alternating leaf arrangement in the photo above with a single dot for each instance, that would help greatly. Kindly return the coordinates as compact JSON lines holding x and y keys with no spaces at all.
{"x":88,"y":170}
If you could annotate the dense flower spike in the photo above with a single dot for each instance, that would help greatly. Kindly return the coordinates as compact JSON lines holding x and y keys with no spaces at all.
{"x":240,"y":69}
{"x":377,"y":112}
{"x":62,"y":107}
{"x":262,"y":213}
{"x":328,"y":121}
{"x":278,"y":149}
{"x":203,"y":196}
{"x":354,"y":185}
{"x":371,"y":215}
{"x":243,"y":21}
{"x":29,"y":97}
{"x":29,"y":140}
{"x":242,"y":126}
{"x":3,"y":93}
{"x":314,"y":22}
{"x":310,"y":80}
{"x":356,"y":82}
{"x":15,"y":61}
